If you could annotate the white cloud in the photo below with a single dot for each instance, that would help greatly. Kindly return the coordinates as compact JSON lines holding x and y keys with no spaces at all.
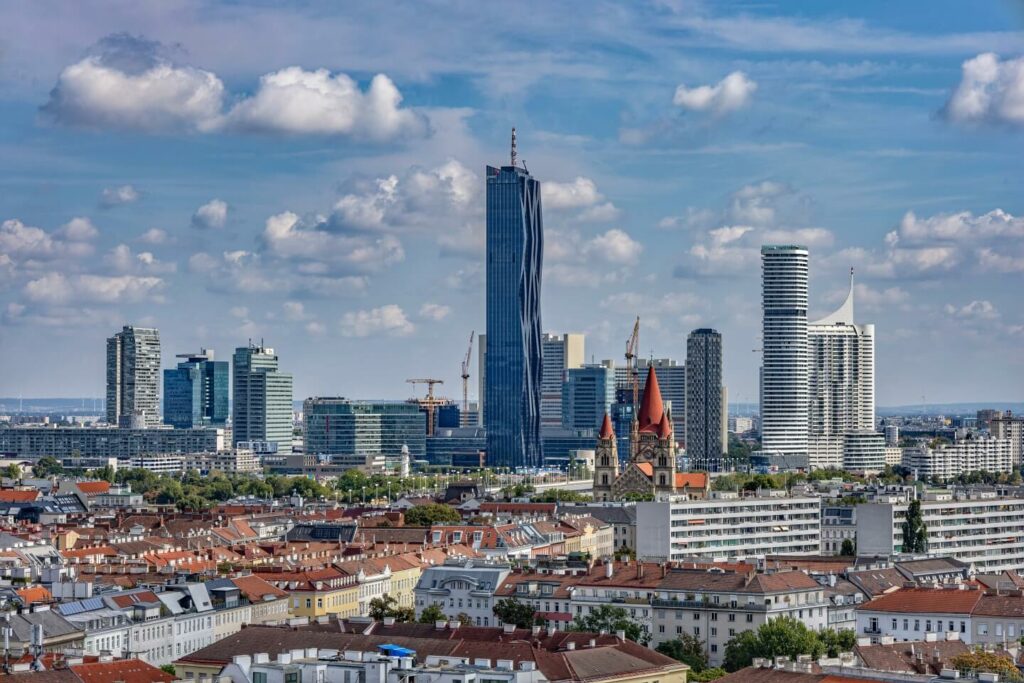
{"x":154,"y":236}
{"x":435,"y":312}
{"x":78,"y":229}
{"x":813,"y":238}
{"x":115,"y":196}
{"x":294,"y":311}
{"x":239,"y":311}
{"x":990,"y":91}
{"x":20,"y":241}
{"x":315,"y":328}
{"x":732,"y":93}
{"x":975,"y":310}
{"x":295,"y":101}
{"x":387,"y":320}
{"x":57,"y":288}
{"x":958,"y":227}
{"x":581,"y":192}
{"x":615,"y":246}
{"x":875,"y":299}
{"x":321,"y":251}
{"x":991,"y":260}
{"x":122,"y":260}
{"x":211,"y":215}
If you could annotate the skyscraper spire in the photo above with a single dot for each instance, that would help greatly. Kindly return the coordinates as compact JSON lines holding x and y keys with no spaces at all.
{"x":513,"y":147}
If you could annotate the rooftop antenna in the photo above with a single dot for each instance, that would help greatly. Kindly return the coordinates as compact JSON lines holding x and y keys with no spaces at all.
{"x":513,"y":147}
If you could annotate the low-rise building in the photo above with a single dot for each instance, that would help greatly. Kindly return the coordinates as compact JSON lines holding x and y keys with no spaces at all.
{"x":462,"y":587}
{"x":968,"y":455}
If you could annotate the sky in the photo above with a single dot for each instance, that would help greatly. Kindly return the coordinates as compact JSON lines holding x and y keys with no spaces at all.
{"x":312,"y":175}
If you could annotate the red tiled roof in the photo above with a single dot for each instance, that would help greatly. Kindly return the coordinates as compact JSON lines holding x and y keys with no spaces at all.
{"x":693,"y":480}
{"x":925,"y":601}
{"x":664,"y":427}
{"x":606,"y":428}
{"x":94,"y":488}
{"x":125,"y":670}
{"x":34,"y":594}
{"x":651,"y":406}
{"x":18,"y":496}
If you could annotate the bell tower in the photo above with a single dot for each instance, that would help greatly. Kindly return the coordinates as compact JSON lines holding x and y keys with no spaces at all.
{"x":606,"y":462}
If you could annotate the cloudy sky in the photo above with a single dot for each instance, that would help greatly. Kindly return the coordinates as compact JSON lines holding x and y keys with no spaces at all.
{"x":314,"y":177}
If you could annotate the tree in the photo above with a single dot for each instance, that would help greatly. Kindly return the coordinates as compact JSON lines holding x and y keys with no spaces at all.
{"x":706,"y":675}
{"x":915,"y":534}
{"x":47,"y":466}
{"x":688,"y":649}
{"x":849,"y":548}
{"x":381,"y":607}
{"x":637,"y":497}
{"x":464,"y":619}
{"x":433,"y":513}
{"x":611,"y":619}
{"x":835,"y":642}
{"x":12,"y":471}
{"x":784,"y":636}
{"x":168,"y":668}
{"x":511,"y":611}
{"x":978,"y":661}
{"x":105,"y":473}
{"x":431,"y":614}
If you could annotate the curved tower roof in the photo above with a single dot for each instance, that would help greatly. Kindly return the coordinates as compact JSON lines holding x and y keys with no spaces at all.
{"x":842,"y":315}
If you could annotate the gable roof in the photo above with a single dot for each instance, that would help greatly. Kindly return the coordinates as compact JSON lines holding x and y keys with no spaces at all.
{"x":925,"y":601}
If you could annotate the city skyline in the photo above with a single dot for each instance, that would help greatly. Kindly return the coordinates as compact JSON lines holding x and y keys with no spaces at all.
{"x":349,"y":234}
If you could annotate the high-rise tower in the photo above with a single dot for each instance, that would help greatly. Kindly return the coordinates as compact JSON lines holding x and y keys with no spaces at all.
{"x":561,"y":353}
{"x":513,"y":355}
{"x":133,"y":377}
{"x":262,"y":402}
{"x":784,"y":369}
{"x":196,"y":392}
{"x":704,"y":445}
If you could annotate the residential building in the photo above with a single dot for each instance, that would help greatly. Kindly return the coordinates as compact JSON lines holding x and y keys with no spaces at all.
{"x":727,"y":525}
{"x":133,"y":377}
{"x":105,"y":442}
{"x":513,"y":355}
{"x":838,"y":524}
{"x":1011,"y":427}
{"x":892,"y":435}
{"x":561,"y":353}
{"x":317,"y":593}
{"x":704,"y":404}
{"x":587,"y":396}
{"x":339,"y":426}
{"x":234,"y":461}
{"x":196,"y":392}
{"x":622,"y":517}
{"x":462,"y":587}
{"x":949,"y":461}
{"x":262,"y":400}
{"x":784,"y":369}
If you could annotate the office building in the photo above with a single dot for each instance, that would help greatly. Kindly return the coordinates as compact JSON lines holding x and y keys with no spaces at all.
{"x":196,"y":392}
{"x":727,"y":525}
{"x":892,"y":435}
{"x":78,"y":444}
{"x":949,"y":461}
{"x":341,"y":426}
{"x":587,"y":395}
{"x":784,"y":367}
{"x":133,"y":377}
{"x":704,"y":397}
{"x":513,"y":356}
{"x":1011,"y":427}
{"x":672,"y":383}
{"x":561,"y":353}
{"x":262,"y":409}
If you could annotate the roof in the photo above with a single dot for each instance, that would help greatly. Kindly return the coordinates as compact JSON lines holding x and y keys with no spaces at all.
{"x":651,"y":406}
{"x":33,"y":594}
{"x":902,"y":657}
{"x":842,"y":315}
{"x":664,"y":427}
{"x":256,"y":589}
{"x":94,"y":488}
{"x":18,"y":496}
{"x":925,"y":601}
{"x":606,"y":428}
{"x":124,"y":670}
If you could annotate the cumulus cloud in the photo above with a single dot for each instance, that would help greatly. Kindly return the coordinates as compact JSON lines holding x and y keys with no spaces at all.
{"x":154,"y":236}
{"x":78,"y":229}
{"x":211,"y":215}
{"x":435,"y":312}
{"x":732,"y":93}
{"x":296,"y":101}
{"x":242,"y":271}
{"x":615,"y":246}
{"x":59,"y":289}
{"x":19,"y":241}
{"x":294,"y":310}
{"x":957,"y":227}
{"x":579,"y":193}
{"x":990,"y":91}
{"x":318,"y":250}
{"x":387,"y":320}
{"x":116,"y":196}
{"x":975,"y":310}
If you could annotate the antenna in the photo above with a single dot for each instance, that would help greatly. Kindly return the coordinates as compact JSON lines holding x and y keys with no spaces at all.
{"x":513,"y":147}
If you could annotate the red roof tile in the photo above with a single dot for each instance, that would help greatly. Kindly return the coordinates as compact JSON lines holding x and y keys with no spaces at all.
{"x":925,"y":601}
{"x":651,"y":406}
{"x":125,"y":670}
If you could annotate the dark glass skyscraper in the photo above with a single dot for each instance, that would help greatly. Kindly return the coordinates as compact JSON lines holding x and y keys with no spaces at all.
{"x":704,"y":445}
{"x":513,"y":356}
{"x":196,"y":392}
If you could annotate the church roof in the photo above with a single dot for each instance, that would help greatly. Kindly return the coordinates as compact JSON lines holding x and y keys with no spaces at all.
{"x":664,"y":427}
{"x":651,"y":407}
{"x":606,"y":428}
{"x":693,"y":480}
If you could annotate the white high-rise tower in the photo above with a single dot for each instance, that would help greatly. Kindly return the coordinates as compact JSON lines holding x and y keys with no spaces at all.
{"x":784,"y":370}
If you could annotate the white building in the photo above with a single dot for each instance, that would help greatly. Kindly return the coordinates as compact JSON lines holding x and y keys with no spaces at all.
{"x":728,"y":525}
{"x":951,"y":460}
{"x":561,"y":353}
{"x":159,"y":463}
{"x":784,"y":370}
{"x":462,"y":586}
{"x":974,"y":527}
{"x":1010,"y":427}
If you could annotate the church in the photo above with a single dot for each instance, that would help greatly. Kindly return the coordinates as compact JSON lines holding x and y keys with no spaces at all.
{"x":651,"y":469}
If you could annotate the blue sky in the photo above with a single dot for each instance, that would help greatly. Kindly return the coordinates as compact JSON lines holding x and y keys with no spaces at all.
{"x":313,"y":175}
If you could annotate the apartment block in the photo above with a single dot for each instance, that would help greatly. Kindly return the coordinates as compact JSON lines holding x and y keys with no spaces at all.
{"x":969,"y":455}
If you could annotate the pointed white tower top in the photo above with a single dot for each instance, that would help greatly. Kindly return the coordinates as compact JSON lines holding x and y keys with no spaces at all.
{"x":843,"y":314}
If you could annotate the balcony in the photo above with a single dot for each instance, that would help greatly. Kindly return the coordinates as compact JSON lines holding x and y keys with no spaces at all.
{"x":873,"y":630}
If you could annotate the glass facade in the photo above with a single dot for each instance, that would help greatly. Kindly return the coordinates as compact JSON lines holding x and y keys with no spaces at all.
{"x":587,"y":395}
{"x":513,"y":355}
{"x":340,"y":426}
{"x":704,"y":445}
{"x":196,"y":392}
{"x":262,"y":409}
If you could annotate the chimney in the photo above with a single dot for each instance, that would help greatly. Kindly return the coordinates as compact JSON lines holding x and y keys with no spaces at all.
{"x":570,"y":645}
{"x":621,"y":635}
{"x":609,"y":569}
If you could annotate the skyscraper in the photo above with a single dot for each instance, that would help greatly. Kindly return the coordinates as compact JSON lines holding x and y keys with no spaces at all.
{"x":784,"y":368}
{"x":513,"y":355}
{"x":587,"y":396}
{"x":704,"y":445}
{"x":133,"y":377}
{"x":841,"y":389}
{"x":561,"y":353}
{"x":196,"y":392}
{"x":262,"y":409}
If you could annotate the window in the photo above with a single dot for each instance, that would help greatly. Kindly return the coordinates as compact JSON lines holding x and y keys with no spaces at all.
{"x":982,"y":629}
{"x":291,"y":677}
{"x":917,"y":624}
{"x":714,"y":647}
{"x":750,"y":618}
{"x":894,"y":626}
{"x":259,"y":677}
{"x":732,"y":617}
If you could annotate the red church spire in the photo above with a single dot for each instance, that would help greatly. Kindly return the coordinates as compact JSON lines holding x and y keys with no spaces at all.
{"x":664,"y":427}
{"x":606,"y":428}
{"x":651,"y":407}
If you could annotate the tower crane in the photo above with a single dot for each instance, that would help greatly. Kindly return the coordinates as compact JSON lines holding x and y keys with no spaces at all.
{"x":631,"y":362}
{"x":428,"y":402}
{"x":465,"y":381}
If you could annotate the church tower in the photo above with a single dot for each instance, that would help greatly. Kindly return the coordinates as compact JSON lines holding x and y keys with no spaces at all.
{"x":663,"y":457}
{"x":606,"y":462}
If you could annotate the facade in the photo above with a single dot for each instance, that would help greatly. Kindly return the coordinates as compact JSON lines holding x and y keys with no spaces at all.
{"x":704,"y":404}
{"x":103,"y":442}
{"x":466,"y":587}
{"x":262,"y":408}
{"x":133,"y":377}
{"x":951,"y":460}
{"x":892,"y":435}
{"x":196,"y":392}
{"x":513,"y":355}
{"x":784,"y":369}
{"x":726,"y":526}
{"x":341,"y":426}
{"x":587,"y":396}
{"x":1011,"y":427}
{"x":561,"y":353}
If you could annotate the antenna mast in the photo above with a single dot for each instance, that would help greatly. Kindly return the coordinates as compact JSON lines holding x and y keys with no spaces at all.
{"x":513,"y":147}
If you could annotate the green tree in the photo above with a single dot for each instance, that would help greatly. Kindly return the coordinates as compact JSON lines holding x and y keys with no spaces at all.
{"x":835,"y":642}
{"x":611,"y":619}
{"x":384,"y":606}
{"x":511,"y":611}
{"x":779,"y":637}
{"x":105,"y":473}
{"x":47,"y":466}
{"x":433,"y":513}
{"x":848,"y":549}
{"x":464,"y":619}
{"x":168,"y":668}
{"x":12,"y":471}
{"x":915,"y":534}
{"x":562,"y":496}
{"x":688,"y":649}
{"x":432,"y":614}
{"x":979,"y":661}
{"x":635,"y":497}
{"x":712,"y":674}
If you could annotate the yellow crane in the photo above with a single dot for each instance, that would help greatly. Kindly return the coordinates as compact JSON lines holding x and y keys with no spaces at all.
{"x":631,"y":363}
{"x":464,"y":418}
{"x":429,"y":401}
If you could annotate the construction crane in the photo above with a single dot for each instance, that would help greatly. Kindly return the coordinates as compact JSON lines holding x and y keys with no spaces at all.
{"x":428,"y":402}
{"x":463,"y":419}
{"x":631,"y":362}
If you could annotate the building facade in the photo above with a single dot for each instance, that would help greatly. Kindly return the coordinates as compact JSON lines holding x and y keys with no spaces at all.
{"x":513,"y":355}
{"x":341,"y":426}
{"x":262,"y":409}
{"x":133,"y":377}
{"x":951,"y":460}
{"x":704,"y":445}
{"x":196,"y":392}
{"x":1011,"y":427}
{"x":80,"y":443}
{"x":561,"y":353}
{"x":587,"y":396}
